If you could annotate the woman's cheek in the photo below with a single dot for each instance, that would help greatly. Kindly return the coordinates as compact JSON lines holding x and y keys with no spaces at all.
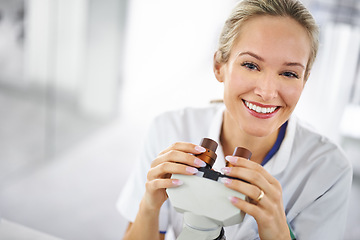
{"x":291,"y":94}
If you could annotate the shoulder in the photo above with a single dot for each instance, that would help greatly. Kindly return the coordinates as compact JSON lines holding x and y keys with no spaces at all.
{"x":184,"y":125}
{"x":189,"y":113}
{"x":187,"y":118}
{"x":317,"y":149}
{"x":318,"y":172}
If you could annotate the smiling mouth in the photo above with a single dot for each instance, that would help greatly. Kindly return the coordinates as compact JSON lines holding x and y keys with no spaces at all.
{"x":258,"y":109}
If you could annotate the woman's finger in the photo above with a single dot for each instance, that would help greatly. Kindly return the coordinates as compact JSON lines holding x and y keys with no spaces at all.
{"x":166,"y":169}
{"x":248,"y":175}
{"x":162,"y":184}
{"x":185,"y":147}
{"x":179,"y":156}
{"x":247,"y":207}
{"x":245,"y":188}
{"x":244,"y":163}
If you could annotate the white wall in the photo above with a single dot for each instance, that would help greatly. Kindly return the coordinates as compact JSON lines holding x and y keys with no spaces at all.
{"x":99,"y":88}
{"x":55,"y":37}
{"x":73,"y":47}
{"x":169,"y":53}
{"x":327,"y":92}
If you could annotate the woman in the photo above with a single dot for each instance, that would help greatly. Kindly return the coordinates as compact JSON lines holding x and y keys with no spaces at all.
{"x":299,"y":180}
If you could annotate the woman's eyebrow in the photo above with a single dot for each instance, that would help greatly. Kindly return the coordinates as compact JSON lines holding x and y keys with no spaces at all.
{"x":251,"y":54}
{"x":294,"y":64}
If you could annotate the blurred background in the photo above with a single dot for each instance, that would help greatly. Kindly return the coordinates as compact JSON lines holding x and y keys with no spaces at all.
{"x":80,"y":80}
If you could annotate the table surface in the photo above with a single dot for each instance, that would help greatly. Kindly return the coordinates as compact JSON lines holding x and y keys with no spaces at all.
{"x":14,"y":231}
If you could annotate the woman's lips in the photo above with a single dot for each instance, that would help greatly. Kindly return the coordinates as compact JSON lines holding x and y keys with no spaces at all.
{"x":261,"y":111}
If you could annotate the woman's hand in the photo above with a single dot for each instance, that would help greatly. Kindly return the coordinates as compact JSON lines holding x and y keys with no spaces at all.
{"x":177,"y":159}
{"x":267,"y":207}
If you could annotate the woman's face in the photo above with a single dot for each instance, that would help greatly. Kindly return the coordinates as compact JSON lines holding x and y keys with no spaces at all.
{"x":264,"y":76}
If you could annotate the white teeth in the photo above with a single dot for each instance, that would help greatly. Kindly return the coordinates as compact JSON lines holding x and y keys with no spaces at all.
{"x":259,"y":109}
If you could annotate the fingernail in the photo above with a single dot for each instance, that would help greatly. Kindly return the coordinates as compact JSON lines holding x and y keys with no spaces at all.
{"x":177,"y":182}
{"x":226,"y":170}
{"x":200,"y":149}
{"x":231,"y":159}
{"x":226,"y":181}
{"x":191,"y":170}
{"x":199,"y":162}
{"x":233,"y":199}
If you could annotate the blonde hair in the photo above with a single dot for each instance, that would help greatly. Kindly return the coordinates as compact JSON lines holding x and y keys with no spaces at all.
{"x":248,"y":9}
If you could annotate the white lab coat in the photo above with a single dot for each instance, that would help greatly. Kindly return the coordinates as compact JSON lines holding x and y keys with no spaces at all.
{"x":314,"y":173}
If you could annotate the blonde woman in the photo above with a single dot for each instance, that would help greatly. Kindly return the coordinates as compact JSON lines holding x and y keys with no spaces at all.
{"x":298,"y":179}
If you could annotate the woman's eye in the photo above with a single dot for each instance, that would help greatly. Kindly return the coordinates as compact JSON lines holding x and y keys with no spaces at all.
{"x":250,"y":66}
{"x":290,"y":75}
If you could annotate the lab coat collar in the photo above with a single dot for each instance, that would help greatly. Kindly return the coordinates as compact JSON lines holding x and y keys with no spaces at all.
{"x":280,"y":160}
{"x":277,"y":163}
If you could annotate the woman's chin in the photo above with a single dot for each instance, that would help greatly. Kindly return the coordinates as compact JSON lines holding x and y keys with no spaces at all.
{"x":258,"y":132}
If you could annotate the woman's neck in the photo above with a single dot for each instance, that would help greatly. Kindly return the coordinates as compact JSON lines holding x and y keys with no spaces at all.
{"x":232,"y":136}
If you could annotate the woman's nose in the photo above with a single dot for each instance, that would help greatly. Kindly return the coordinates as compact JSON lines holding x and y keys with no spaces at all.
{"x":266,"y":88}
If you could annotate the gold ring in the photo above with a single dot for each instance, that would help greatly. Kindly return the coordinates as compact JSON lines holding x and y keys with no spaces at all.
{"x":260,"y":196}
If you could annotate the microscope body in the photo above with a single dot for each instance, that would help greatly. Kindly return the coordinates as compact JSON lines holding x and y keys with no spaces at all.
{"x":204,"y":199}
{"x":206,"y":206}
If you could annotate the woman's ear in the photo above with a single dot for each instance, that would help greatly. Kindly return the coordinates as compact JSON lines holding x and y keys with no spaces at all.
{"x":218,"y":67}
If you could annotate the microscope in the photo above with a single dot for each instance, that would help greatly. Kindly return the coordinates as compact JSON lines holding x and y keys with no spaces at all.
{"x":204,"y":200}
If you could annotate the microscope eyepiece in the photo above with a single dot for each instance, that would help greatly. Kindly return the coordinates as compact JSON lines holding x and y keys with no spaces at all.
{"x":209,"y":156}
{"x":242,"y":152}
{"x":209,"y":143}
